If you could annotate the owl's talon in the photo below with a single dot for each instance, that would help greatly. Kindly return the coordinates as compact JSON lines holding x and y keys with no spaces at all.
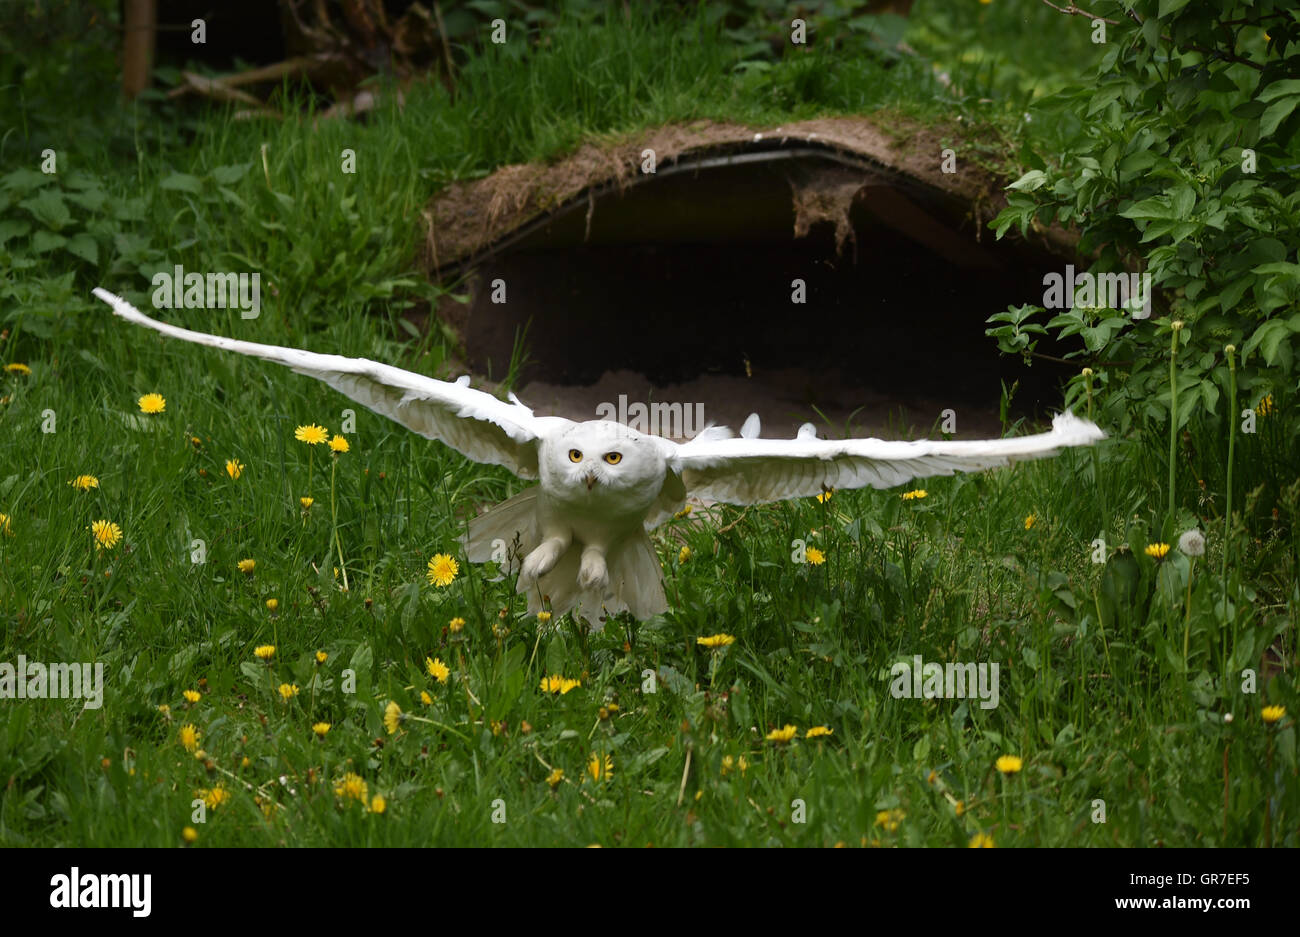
{"x":541,"y":561}
{"x":593,"y":576}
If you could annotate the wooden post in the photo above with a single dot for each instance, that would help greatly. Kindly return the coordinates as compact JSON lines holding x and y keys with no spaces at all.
{"x":140,"y":28}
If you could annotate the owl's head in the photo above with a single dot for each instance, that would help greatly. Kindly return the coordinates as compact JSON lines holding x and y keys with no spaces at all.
{"x":602,"y":460}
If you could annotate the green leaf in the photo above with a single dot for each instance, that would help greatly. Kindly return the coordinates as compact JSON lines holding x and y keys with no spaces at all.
{"x":43,"y":241}
{"x":85,"y":247}
{"x":49,"y":209}
{"x":1277,"y":112}
{"x":1147,"y":208}
{"x":22,"y":181}
{"x":182,"y":182}
{"x":1171,"y":6}
{"x":1267,"y":338}
{"x":12,"y":228}
{"x":1290,"y":88}
{"x":228,"y":175}
{"x":1029,"y":181}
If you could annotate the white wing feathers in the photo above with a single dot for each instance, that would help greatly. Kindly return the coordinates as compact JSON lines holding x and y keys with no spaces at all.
{"x":754,"y":471}
{"x":475,"y":424}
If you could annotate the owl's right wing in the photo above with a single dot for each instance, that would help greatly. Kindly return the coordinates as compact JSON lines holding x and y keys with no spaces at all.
{"x":475,"y":424}
{"x":750,"y":470}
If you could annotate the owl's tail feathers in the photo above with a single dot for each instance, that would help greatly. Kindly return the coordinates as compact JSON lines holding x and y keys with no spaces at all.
{"x":504,"y":534}
{"x":635,"y":583}
{"x":636,"y":578}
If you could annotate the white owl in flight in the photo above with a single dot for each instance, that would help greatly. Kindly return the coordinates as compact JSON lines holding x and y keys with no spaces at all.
{"x":582,"y":532}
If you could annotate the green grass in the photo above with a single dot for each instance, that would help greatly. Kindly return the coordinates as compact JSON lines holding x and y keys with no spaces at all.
{"x":1095,"y":696}
{"x":1095,"y":714}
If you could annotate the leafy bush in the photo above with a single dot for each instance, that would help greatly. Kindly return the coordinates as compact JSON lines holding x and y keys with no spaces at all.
{"x":1184,"y":168}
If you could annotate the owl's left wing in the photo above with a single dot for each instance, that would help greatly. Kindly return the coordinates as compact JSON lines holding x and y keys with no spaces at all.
{"x":748,"y":470}
{"x":474,"y":423}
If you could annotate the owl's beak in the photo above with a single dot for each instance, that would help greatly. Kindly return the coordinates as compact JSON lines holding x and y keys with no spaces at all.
{"x":591,"y":481}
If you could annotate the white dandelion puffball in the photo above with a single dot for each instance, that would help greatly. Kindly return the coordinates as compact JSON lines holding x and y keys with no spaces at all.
{"x":1192,"y":543}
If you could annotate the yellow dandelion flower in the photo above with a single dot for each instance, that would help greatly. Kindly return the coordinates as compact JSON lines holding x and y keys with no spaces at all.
{"x":684,"y":512}
{"x":715,"y":641}
{"x":234,"y":468}
{"x":352,"y":786}
{"x":190,"y":835}
{"x":339,"y":444}
{"x":378,"y":804}
{"x":443,"y":570}
{"x":311,"y":434}
{"x":815,"y":557}
{"x":782,"y":735}
{"x":959,"y":808}
{"x":189,"y":737}
{"x":425,"y":698}
{"x":165,"y":710}
{"x":247,"y":566}
{"x":683,"y":555}
{"x":825,"y":496}
{"x":106,"y":534}
{"x":4,"y":525}
{"x":728,"y":762}
{"x":191,"y":696}
{"x":819,"y":732}
{"x":1009,"y":764}
{"x":1030,"y":521}
{"x":392,"y":717}
{"x":1156,"y":550}
{"x":321,"y":657}
{"x":152,"y":403}
{"x":891,"y":820}
{"x":437,"y":669}
{"x":742,"y":764}
{"x":456,"y":624}
{"x":17,"y":367}
{"x":600,"y":770}
{"x":306,"y":502}
{"x":982,"y":841}
{"x":288,"y":690}
{"x":543,"y":617}
{"x":84,"y":482}
{"x":272,"y":604}
{"x":915,"y":495}
{"x":265,"y":651}
{"x":215,"y":797}
{"x":555,"y":777}
{"x":321,"y":729}
{"x":558,"y":684}
{"x":1272,"y":714}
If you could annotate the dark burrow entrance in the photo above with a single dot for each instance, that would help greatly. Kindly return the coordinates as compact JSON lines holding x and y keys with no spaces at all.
{"x":683,"y":286}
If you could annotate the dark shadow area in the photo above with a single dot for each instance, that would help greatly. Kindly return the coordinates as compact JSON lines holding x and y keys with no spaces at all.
{"x":691,"y":275}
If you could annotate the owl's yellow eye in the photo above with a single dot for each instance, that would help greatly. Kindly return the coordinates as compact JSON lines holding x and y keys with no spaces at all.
{"x":575,"y":455}
{"x":613,"y":458}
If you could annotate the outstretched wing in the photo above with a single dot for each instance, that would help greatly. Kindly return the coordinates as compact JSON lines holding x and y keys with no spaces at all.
{"x":475,"y":424}
{"x":749,"y":470}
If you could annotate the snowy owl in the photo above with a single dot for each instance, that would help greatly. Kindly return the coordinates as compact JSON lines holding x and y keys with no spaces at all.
{"x":579,"y":537}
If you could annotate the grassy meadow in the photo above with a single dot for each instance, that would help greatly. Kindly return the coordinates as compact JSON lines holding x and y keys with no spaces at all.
{"x":409,"y":705}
